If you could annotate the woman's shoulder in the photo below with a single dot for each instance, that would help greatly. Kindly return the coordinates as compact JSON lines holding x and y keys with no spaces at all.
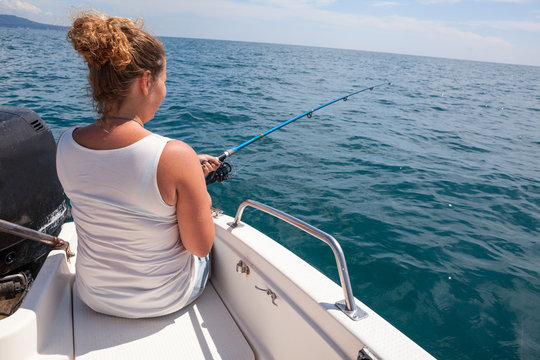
{"x":178,"y":149}
{"x":178,"y":166}
{"x":179,"y":158}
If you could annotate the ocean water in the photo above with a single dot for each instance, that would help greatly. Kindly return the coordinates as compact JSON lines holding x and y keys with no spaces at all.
{"x":431,"y":184}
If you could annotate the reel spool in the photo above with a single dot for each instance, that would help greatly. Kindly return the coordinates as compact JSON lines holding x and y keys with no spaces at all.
{"x":221,"y":174}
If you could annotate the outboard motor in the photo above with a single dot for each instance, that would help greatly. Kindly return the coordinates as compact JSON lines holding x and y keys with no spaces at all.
{"x":30,"y":193}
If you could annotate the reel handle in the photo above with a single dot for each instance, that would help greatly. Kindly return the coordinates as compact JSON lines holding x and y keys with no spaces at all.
{"x":221,"y":174}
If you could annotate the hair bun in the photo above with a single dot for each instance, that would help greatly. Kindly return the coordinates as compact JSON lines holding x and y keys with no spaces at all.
{"x":101,"y":40}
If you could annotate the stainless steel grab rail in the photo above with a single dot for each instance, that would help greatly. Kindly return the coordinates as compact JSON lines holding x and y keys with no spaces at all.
{"x":18,"y":230}
{"x":349,"y":306}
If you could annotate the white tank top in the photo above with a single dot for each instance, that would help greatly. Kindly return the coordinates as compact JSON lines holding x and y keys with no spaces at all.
{"x":130,"y":260}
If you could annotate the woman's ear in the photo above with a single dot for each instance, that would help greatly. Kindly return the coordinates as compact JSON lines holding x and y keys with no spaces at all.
{"x":145,"y":82}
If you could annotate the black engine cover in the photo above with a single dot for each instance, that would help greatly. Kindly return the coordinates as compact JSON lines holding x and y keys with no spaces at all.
{"x":30,"y":193}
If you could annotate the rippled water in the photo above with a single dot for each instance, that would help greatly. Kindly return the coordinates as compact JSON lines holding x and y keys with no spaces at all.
{"x":431,"y":184}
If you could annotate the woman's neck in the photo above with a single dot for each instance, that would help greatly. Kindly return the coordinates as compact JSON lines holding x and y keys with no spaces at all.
{"x":115,"y":120}
{"x":124,"y":118}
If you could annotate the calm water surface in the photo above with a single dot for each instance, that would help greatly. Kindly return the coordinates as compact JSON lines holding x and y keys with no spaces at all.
{"x":431,"y":185}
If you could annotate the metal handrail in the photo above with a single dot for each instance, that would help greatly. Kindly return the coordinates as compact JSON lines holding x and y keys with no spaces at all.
{"x":18,"y":230}
{"x":349,"y":306}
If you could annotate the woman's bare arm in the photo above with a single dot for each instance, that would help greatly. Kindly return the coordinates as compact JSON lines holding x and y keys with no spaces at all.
{"x":181,"y":182}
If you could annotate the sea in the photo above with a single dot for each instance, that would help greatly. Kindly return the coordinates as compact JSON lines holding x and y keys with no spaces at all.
{"x":430,"y":184}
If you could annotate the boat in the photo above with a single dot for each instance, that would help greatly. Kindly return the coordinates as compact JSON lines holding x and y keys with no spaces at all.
{"x":262,"y":302}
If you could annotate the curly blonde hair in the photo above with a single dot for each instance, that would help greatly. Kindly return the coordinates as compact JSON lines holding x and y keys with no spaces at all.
{"x":117,"y":51}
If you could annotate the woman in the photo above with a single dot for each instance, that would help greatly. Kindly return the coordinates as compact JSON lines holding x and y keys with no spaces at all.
{"x":139,"y":200}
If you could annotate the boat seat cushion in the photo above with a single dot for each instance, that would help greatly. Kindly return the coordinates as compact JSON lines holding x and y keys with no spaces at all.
{"x":203,"y":330}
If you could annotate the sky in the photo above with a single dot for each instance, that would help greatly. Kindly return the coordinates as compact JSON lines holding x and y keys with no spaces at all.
{"x":505,"y":31}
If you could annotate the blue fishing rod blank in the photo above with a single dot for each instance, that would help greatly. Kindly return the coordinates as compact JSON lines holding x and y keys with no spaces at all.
{"x":308,"y":114}
{"x":222,"y":173}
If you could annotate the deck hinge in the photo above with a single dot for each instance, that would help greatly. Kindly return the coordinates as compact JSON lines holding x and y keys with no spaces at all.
{"x":241,"y":267}
{"x":365,"y":354}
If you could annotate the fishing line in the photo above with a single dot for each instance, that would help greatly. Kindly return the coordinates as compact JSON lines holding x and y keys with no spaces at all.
{"x":224,"y":171}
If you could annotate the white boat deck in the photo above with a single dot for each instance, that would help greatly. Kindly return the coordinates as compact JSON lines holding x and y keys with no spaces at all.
{"x":204,"y":330}
{"x":53,"y":323}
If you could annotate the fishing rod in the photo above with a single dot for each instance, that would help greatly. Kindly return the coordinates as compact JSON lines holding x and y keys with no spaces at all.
{"x":223,"y":172}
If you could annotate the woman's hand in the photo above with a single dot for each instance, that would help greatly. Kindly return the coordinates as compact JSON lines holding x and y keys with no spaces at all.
{"x":208,"y":163}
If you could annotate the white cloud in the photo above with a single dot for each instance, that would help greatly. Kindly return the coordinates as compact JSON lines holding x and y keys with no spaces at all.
{"x":384,"y":3}
{"x":296,"y":3}
{"x":433,"y":2}
{"x":528,"y":26}
{"x":507,"y":1}
{"x":19,"y":5}
{"x":443,"y":31}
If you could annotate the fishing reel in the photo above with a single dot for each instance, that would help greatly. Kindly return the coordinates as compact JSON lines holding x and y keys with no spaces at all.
{"x":221,"y":174}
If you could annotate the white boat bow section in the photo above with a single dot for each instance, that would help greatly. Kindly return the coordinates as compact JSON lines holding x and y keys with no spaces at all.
{"x":262,"y":302}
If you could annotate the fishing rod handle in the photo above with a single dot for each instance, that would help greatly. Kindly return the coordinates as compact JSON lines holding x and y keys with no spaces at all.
{"x":225,"y":154}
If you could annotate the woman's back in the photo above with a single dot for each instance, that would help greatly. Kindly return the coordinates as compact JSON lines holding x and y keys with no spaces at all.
{"x":131,"y":261}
